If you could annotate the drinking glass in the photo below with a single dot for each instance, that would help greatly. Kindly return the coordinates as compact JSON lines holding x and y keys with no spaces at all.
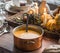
{"x":1,"y":11}
{"x":2,"y":5}
{"x":16,"y":3}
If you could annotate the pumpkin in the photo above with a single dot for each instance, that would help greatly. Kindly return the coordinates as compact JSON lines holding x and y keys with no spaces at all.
{"x":45,"y":18}
{"x":57,"y":18}
{"x":51,"y":24}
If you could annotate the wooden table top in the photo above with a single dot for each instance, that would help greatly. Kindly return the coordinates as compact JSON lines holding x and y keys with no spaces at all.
{"x":7,"y":42}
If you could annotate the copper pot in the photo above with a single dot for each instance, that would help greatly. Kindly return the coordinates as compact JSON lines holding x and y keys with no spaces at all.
{"x":28,"y":44}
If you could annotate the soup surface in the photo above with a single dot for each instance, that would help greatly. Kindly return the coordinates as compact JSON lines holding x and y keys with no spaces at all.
{"x":26,"y":35}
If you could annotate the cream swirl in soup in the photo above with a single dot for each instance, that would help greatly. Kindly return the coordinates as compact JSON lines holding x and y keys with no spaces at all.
{"x":26,"y":35}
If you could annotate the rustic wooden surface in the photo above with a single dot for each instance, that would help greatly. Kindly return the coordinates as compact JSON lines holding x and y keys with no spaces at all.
{"x":7,"y":42}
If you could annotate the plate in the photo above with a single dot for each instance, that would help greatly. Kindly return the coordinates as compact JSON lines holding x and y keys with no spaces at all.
{"x":14,"y":9}
{"x":9,"y":7}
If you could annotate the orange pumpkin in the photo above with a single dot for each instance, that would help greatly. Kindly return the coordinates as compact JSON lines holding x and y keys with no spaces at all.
{"x":45,"y":18}
{"x":57,"y":18}
{"x":51,"y":24}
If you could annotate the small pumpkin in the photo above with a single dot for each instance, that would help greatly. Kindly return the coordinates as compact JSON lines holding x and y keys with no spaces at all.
{"x":57,"y":18}
{"x":45,"y":18}
{"x":51,"y":24}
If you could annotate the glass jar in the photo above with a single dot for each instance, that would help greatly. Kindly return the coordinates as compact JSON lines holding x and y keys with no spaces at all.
{"x":2,"y":17}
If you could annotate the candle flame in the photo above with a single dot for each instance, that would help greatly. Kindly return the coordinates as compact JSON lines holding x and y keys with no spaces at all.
{"x":44,"y":10}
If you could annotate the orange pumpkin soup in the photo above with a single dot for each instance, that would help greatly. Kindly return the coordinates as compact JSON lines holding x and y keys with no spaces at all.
{"x":26,"y":35}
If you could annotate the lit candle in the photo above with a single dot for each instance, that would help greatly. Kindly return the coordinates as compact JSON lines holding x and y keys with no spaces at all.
{"x":44,"y":10}
{"x":36,"y":8}
{"x":45,"y":19}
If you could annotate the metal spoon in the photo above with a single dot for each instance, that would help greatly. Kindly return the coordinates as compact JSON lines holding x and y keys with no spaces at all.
{"x":5,"y":30}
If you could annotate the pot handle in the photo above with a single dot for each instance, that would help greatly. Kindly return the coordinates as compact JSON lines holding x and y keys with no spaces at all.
{"x":30,"y":42}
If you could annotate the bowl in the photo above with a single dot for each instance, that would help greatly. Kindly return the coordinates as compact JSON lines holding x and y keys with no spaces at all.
{"x":28,"y":41}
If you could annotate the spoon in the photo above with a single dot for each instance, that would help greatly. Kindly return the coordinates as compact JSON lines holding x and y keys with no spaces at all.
{"x":27,"y":23}
{"x":5,"y":30}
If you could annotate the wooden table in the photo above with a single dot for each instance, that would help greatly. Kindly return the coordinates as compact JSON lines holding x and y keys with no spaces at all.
{"x":7,"y":42}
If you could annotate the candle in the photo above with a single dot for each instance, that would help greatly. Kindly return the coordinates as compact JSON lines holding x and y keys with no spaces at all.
{"x":36,"y":7}
{"x":44,"y":10}
{"x":45,"y":19}
{"x":27,"y":24}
